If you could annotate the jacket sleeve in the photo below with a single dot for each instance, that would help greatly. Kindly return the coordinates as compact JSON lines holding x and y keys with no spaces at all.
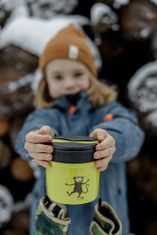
{"x":34,"y":121}
{"x":125,"y":129}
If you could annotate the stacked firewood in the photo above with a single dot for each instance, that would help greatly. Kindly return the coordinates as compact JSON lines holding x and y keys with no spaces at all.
{"x":16,"y":176}
{"x":124,"y":35}
{"x":123,"y":31}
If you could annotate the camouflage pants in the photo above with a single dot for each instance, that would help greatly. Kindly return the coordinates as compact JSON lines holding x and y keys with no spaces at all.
{"x":51,"y":219}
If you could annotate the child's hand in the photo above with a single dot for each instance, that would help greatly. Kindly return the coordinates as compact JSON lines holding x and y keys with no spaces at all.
{"x":105,"y":149}
{"x":37,"y":145}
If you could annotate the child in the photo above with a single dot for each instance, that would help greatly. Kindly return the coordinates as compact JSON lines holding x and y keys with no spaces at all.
{"x":71,"y":101}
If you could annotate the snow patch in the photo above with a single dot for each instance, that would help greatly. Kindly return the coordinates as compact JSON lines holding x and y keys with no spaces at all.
{"x":142,"y":88}
{"x":119,"y":3}
{"x":32,"y":34}
{"x":154,"y":1}
{"x":101,"y":11}
{"x":151,"y":119}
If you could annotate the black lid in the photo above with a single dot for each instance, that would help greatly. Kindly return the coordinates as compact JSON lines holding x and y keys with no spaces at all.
{"x":75,"y":149}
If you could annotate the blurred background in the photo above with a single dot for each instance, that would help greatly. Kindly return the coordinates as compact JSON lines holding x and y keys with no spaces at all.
{"x":123,"y":36}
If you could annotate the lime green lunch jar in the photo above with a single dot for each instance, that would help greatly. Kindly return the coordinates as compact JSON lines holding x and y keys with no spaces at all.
{"x":73,"y":177}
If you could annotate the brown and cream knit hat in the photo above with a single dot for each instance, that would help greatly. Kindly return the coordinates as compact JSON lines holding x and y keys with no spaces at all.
{"x":70,"y":43}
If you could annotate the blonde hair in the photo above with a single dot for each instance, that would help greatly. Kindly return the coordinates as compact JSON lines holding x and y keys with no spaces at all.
{"x":99,"y":93}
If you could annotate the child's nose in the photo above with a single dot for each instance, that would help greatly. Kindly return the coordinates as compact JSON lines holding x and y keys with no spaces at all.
{"x":69,"y":83}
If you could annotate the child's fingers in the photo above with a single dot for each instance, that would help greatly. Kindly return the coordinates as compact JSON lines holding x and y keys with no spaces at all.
{"x":104,"y":153}
{"x":44,"y":164}
{"x":35,"y":137}
{"x":41,"y":156}
{"x":102,"y":168}
{"x":99,"y":134}
{"x":45,"y":130}
{"x":106,"y":143}
{"x":102,"y":164}
{"x":38,"y":148}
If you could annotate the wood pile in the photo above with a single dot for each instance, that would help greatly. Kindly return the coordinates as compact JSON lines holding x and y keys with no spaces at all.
{"x":16,"y":66}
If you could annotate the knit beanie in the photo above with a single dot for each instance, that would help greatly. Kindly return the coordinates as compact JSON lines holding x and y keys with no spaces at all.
{"x":69,"y":43}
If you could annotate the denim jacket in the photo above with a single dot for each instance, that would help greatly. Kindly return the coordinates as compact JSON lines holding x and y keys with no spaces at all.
{"x":123,"y":127}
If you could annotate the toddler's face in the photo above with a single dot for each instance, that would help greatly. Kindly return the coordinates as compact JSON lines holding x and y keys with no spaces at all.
{"x":66,"y":77}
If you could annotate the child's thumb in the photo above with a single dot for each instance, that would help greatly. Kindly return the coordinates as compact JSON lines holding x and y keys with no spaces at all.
{"x":99,"y":134}
{"x":45,"y":130}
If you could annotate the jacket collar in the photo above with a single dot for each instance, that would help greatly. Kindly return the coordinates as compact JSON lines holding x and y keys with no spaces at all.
{"x":83,"y":102}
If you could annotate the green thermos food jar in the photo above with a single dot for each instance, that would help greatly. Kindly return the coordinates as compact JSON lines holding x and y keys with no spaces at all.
{"x":73,"y":177}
